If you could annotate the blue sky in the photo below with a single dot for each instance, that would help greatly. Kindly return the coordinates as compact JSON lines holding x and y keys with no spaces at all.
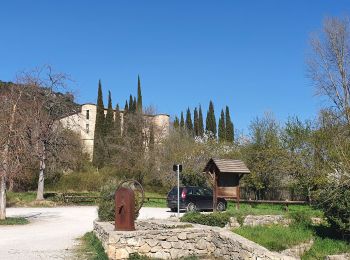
{"x":249,"y":55}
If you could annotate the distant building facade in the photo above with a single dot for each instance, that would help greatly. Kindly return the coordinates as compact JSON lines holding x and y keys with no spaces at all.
{"x":83,"y":123}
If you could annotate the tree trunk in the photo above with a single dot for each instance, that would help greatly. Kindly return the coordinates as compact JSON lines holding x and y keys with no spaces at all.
{"x":40,"y":193}
{"x":2,"y":198}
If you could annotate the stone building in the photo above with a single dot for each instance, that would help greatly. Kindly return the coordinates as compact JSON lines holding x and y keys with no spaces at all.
{"x":84,"y":121}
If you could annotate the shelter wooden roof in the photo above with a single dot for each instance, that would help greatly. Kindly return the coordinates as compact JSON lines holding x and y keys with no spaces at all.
{"x":227,"y":165}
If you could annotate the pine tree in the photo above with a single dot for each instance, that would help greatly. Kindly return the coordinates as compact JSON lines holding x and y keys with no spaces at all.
{"x":189,"y":124}
{"x":139,"y":95}
{"x":200,"y":122}
{"x":195,"y":122}
{"x":109,"y":116}
{"x":98,"y":154}
{"x":222,"y":128}
{"x":176,"y":122}
{"x":230,"y":134}
{"x":210,"y":120}
{"x":182,"y":121}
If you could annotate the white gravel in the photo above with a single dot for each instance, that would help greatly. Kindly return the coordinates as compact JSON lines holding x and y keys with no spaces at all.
{"x":52,"y":232}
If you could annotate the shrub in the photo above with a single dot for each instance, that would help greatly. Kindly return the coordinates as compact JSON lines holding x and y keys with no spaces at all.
{"x":334,"y":200}
{"x":218,"y":219}
{"x":301,"y":218}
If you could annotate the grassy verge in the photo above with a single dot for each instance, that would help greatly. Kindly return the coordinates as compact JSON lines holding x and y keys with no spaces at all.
{"x":91,"y":248}
{"x":276,"y":238}
{"x":271,"y":209}
{"x":14,"y":221}
{"x":326,"y":246}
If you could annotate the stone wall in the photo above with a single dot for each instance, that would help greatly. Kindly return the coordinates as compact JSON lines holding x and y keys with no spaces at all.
{"x":171,"y":240}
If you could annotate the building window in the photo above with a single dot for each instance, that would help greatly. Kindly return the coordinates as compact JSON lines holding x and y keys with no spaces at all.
{"x":87,"y":128}
{"x":88,"y":114}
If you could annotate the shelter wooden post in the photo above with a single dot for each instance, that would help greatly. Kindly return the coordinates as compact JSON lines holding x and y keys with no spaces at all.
{"x":226,"y":174}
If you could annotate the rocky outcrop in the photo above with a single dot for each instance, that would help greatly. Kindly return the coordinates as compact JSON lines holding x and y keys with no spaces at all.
{"x":298,"y":250}
{"x":170,"y":240}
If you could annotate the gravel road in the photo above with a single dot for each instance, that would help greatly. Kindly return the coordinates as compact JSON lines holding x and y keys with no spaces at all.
{"x":52,"y":232}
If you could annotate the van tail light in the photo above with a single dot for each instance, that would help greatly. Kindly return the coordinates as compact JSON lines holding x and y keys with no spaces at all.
{"x":183,"y":194}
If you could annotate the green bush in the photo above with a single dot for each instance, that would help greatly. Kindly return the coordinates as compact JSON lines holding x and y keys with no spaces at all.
{"x":218,"y":219}
{"x":106,"y":205}
{"x":300,"y":218}
{"x":335,"y":203}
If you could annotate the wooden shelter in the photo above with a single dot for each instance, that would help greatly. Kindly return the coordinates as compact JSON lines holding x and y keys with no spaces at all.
{"x":225,"y":174}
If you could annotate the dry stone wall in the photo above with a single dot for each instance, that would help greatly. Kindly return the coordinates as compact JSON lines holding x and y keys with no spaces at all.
{"x":171,"y":240}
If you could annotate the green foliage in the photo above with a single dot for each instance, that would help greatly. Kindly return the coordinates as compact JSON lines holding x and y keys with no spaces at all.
{"x":14,"y":221}
{"x":139,"y":95}
{"x":200,"y":122}
{"x":326,"y":246}
{"x":106,"y":207}
{"x":189,"y":125}
{"x":276,"y":238}
{"x":301,"y":218}
{"x":230,"y":135}
{"x":218,"y":219}
{"x":210,"y":120}
{"x":334,"y":200}
{"x":91,"y":248}
{"x":193,"y":179}
{"x":99,"y":141}
{"x":176,"y":122}
{"x":182,"y":121}
{"x":222,"y":127}
{"x":195,"y":122}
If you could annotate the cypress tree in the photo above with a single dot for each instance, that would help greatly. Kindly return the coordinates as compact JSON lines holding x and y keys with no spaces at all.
{"x":117,"y":124}
{"x":189,"y":124}
{"x":176,"y":122}
{"x":195,"y":122}
{"x":230,"y":134}
{"x":139,"y":95}
{"x":222,"y":128}
{"x":182,"y":121}
{"x":126,"y":107}
{"x":109,"y":116}
{"x":98,"y":154}
{"x":210,"y":120}
{"x":200,"y":122}
{"x":134,"y":105}
{"x":131,"y":104}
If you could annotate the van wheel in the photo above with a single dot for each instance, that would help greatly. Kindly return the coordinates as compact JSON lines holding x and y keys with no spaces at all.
{"x":191,"y":207}
{"x":220,"y":206}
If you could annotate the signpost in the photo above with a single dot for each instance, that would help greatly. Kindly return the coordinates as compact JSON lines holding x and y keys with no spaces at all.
{"x":178,"y":168}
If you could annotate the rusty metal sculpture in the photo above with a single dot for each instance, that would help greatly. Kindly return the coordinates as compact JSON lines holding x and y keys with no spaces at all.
{"x":125,"y":209}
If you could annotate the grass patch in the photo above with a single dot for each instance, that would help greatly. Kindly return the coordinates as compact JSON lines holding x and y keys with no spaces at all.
{"x":326,"y":246}
{"x":271,"y":209}
{"x":91,"y":248}
{"x":219,"y":219}
{"x":14,"y":221}
{"x":275,"y":237}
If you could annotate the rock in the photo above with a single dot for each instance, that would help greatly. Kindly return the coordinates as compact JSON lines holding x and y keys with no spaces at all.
{"x":252,"y":220}
{"x":298,"y":250}
{"x":338,"y":257}
{"x":121,"y":253}
{"x":233,"y":223}
{"x":152,"y":242}
{"x":172,"y":239}
{"x":182,"y":236}
{"x":165,"y":245}
{"x":132,"y":241}
{"x":162,"y":255}
{"x":201,"y":244}
{"x":156,"y":249}
{"x":145,"y":248}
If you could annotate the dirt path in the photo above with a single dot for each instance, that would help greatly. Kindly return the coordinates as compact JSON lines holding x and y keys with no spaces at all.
{"x":52,"y":232}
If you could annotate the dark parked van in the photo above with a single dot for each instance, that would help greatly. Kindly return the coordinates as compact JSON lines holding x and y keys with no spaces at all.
{"x":194,"y":198}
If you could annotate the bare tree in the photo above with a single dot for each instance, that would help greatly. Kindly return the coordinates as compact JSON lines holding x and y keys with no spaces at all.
{"x":44,"y":106}
{"x":329,"y":65}
{"x":11,"y":138}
